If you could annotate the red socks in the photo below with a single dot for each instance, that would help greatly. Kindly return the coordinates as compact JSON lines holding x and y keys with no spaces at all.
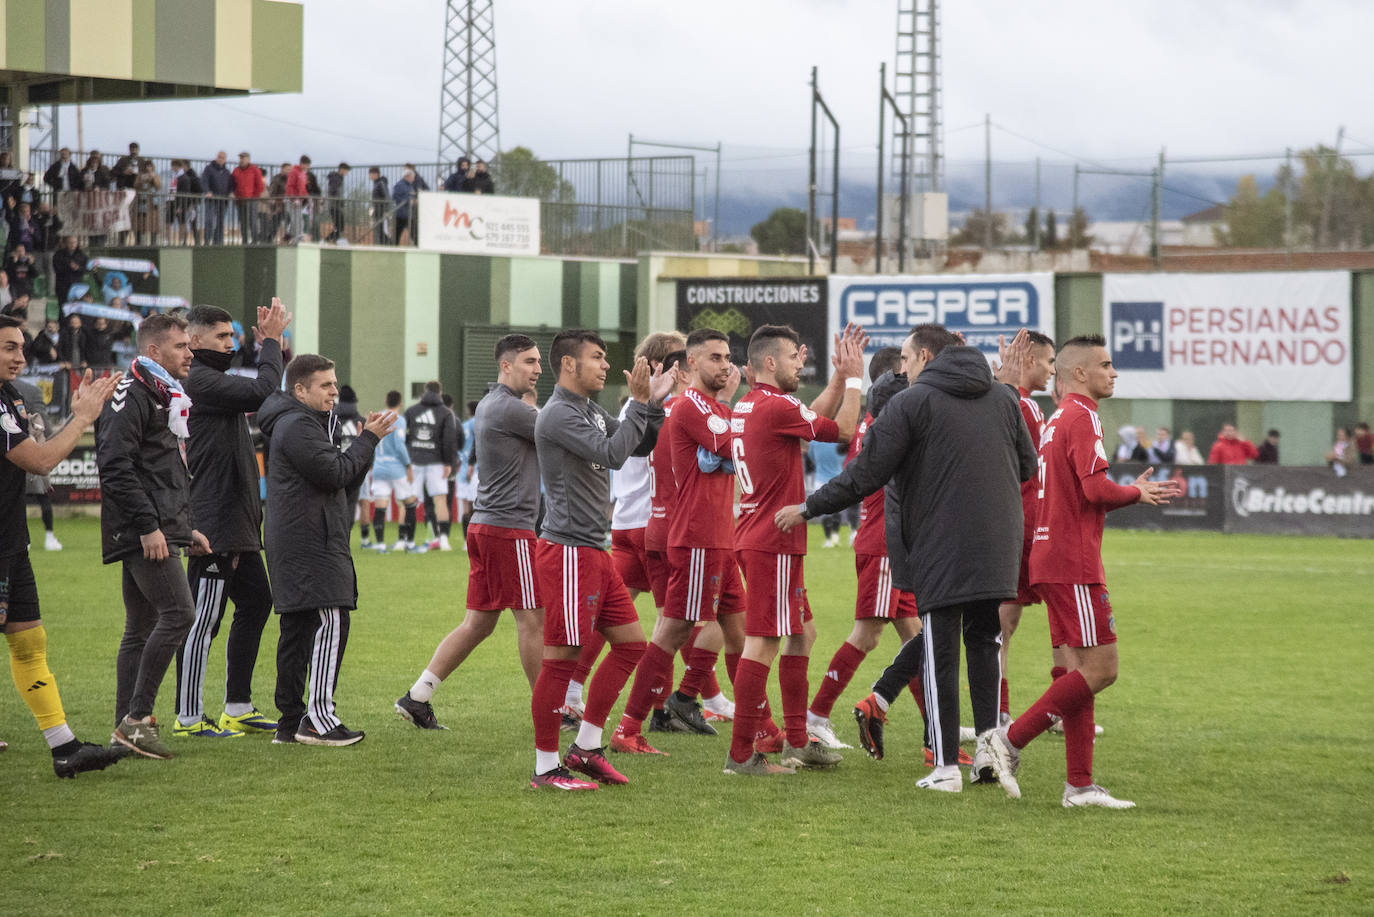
{"x":610,"y":678}
{"x":1066,"y":697}
{"x":751,"y":695}
{"x":648,"y":676}
{"x":1057,"y":672}
{"x":550,"y":689}
{"x":1078,"y":745}
{"x":792,"y":682}
{"x":837,"y":676}
{"x":587,"y":658}
{"x":919,"y":694}
{"x":1006,"y":698}
{"x":701,"y":670}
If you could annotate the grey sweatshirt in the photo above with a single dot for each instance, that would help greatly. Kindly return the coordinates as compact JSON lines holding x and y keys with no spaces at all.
{"x":508,"y":469}
{"x":579,"y":443}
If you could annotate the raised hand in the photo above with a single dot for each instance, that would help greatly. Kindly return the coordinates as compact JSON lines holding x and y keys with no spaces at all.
{"x":272,"y":322}
{"x":638,"y":378}
{"x":1012,"y":359}
{"x":661,"y":384}
{"x":732,"y":382}
{"x":380,"y":423}
{"x":1155,"y":493}
{"x":90,"y":396}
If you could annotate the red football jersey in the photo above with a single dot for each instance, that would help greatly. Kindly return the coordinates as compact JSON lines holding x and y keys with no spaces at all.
{"x":872,"y":537}
{"x":1068,"y":527}
{"x":662,"y":487}
{"x":769,"y":429}
{"x":1030,"y":490}
{"x":703,"y":517}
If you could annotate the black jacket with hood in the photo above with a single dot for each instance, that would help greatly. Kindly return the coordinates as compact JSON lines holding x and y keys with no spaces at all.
{"x":309,"y":513}
{"x":956,"y":450}
{"x":219,"y":450}
{"x":433,"y":435}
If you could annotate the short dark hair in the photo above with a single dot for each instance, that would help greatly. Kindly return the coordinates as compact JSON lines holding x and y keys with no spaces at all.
{"x":447,"y":399}
{"x":472,"y":407}
{"x":305,"y":160}
{"x":302,"y":367}
{"x":764,"y":341}
{"x":155,"y":327}
{"x":933,"y":338}
{"x":1085,"y":340}
{"x":676,"y":358}
{"x":10,"y":321}
{"x":373,"y":170}
{"x":569,"y":344}
{"x":1043,"y":340}
{"x":513,"y":343}
{"x":345,"y":167}
{"x":1362,"y":426}
{"x":393,"y":399}
{"x":703,"y":335}
{"x":346,"y":393}
{"x":208,"y":316}
{"x":889,"y":358}
{"x":433,"y":386}
{"x":1275,"y":433}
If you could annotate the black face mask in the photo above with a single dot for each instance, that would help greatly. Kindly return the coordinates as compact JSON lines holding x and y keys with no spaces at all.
{"x":213,"y":358}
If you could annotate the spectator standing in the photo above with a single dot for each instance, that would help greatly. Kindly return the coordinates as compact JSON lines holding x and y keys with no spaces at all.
{"x":381,"y":196}
{"x":69,"y":266}
{"x":334,"y":190}
{"x":22,"y":229}
{"x":127,"y":168}
{"x":1364,"y":444}
{"x":21,"y":268}
{"x":1341,"y":457}
{"x":188,"y":199}
{"x":1230,"y":449}
{"x":98,"y":344}
{"x":480,"y":182}
{"x":217,"y":183}
{"x":11,"y":180}
{"x":1132,"y":448}
{"x":248,"y":187}
{"x":95,"y":176}
{"x":460,"y":174}
{"x":297,"y":190}
{"x":63,"y":175}
{"x":276,"y":189}
{"x":147,"y":215}
{"x":1162,"y":450}
{"x":1185,"y":450}
{"x":43,"y":349}
{"x":1269,"y":449}
{"x":6,"y":294}
{"x":403,"y":194}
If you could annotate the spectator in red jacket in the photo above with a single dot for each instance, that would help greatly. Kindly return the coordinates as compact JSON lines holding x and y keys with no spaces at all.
{"x":248,"y":187}
{"x":1230,"y":449}
{"x":297,"y":188}
{"x":1364,"y":443}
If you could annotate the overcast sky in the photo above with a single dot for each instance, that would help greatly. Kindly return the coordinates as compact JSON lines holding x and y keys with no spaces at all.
{"x":1094,"y":80}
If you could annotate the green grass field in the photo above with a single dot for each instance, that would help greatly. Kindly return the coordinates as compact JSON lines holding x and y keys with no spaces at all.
{"x":1240,"y":726}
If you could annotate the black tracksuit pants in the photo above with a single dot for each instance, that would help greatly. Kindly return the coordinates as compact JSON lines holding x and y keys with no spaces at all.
{"x":214,"y":580}
{"x":309,"y":654}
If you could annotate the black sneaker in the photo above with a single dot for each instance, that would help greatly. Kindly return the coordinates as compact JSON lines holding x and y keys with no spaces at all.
{"x":285,"y":735}
{"x":688,"y":712}
{"x":87,"y":757}
{"x":340,"y":735}
{"x":419,"y":712}
{"x":663,"y":721}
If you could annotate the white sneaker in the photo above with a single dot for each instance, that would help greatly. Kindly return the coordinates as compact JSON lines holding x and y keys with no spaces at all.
{"x":967,"y":736}
{"x":573,"y":708}
{"x":1005,"y":719}
{"x":819,"y":728}
{"x":443,"y":543}
{"x":1093,"y":795}
{"x":1006,"y":759}
{"x":51,"y":543}
{"x":400,"y":545}
{"x":719,"y":708}
{"x":1057,"y":727}
{"x":982,"y":770}
{"x":946,"y":779}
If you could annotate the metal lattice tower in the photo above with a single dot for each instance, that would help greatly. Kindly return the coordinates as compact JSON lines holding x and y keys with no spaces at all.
{"x":467,"y":98}
{"x":917,"y":90}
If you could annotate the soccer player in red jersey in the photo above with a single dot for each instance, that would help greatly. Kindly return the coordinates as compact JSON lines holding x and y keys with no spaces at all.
{"x":770,"y":428}
{"x":700,"y":533}
{"x":1066,"y":571}
{"x":876,"y":602}
{"x":1030,"y":371}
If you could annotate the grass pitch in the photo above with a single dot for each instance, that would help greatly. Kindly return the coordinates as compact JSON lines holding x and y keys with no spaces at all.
{"x":1240,"y":726}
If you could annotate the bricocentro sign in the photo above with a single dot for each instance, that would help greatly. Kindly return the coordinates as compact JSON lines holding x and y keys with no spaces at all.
{"x":1310,"y":501}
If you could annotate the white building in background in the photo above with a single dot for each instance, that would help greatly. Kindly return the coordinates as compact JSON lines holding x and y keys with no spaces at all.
{"x":1129,"y":237}
{"x":1200,"y":229}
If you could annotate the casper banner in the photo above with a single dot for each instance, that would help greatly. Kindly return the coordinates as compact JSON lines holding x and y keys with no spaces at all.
{"x":1282,"y":336}
{"x":479,"y":224}
{"x":737,"y":306}
{"x":981,"y":307}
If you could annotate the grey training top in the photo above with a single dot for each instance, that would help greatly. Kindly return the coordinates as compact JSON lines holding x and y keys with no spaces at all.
{"x":579,"y":443}
{"x":508,"y":470}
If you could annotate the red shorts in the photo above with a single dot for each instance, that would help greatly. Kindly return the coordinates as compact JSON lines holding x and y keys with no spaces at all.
{"x":877,"y":598}
{"x":1025,"y":592}
{"x":627,"y":550}
{"x":695,"y":581}
{"x":732,"y":598}
{"x":500,"y":569}
{"x":1079,"y":615}
{"x":582,"y":593}
{"x":776,"y":603}
{"x":657,"y":568}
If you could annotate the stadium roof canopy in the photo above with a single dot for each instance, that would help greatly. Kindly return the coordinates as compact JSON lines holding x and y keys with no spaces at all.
{"x":56,"y":52}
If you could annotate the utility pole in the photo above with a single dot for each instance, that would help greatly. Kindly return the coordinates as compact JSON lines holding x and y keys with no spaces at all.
{"x":1073,"y":220}
{"x":1333,"y":163}
{"x":987,"y":182}
{"x":811,"y":186}
{"x":1155,"y":208}
{"x":1288,"y":199}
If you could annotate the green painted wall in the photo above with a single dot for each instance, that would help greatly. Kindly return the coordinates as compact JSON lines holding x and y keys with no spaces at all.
{"x":422,"y":322}
{"x":534,"y":291}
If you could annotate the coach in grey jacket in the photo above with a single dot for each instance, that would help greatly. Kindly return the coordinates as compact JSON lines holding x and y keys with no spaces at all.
{"x":309,"y":517}
{"x":956,"y":450}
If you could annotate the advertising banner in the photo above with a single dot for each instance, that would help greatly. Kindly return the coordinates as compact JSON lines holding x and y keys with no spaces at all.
{"x":1202,"y":506}
{"x":479,"y":224}
{"x":1300,"y":501}
{"x":1281,"y":336}
{"x":980,"y":307}
{"x":76,"y":478}
{"x":94,"y":213}
{"x":737,"y":306}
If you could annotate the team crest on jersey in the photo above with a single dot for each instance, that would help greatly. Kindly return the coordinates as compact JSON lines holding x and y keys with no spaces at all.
{"x":593,"y":601}
{"x":807,"y":414}
{"x":600,"y":422}
{"x":717,"y":424}
{"x":1101,"y":452}
{"x":1111,"y":623}
{"x":8,"y":422}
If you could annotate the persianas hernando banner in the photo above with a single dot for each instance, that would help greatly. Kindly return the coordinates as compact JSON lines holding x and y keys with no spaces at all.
{"x":94,"y":213}
{"x":980,"y":307}
{"x":1281,"y":336}
{"x":479,"y":224}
